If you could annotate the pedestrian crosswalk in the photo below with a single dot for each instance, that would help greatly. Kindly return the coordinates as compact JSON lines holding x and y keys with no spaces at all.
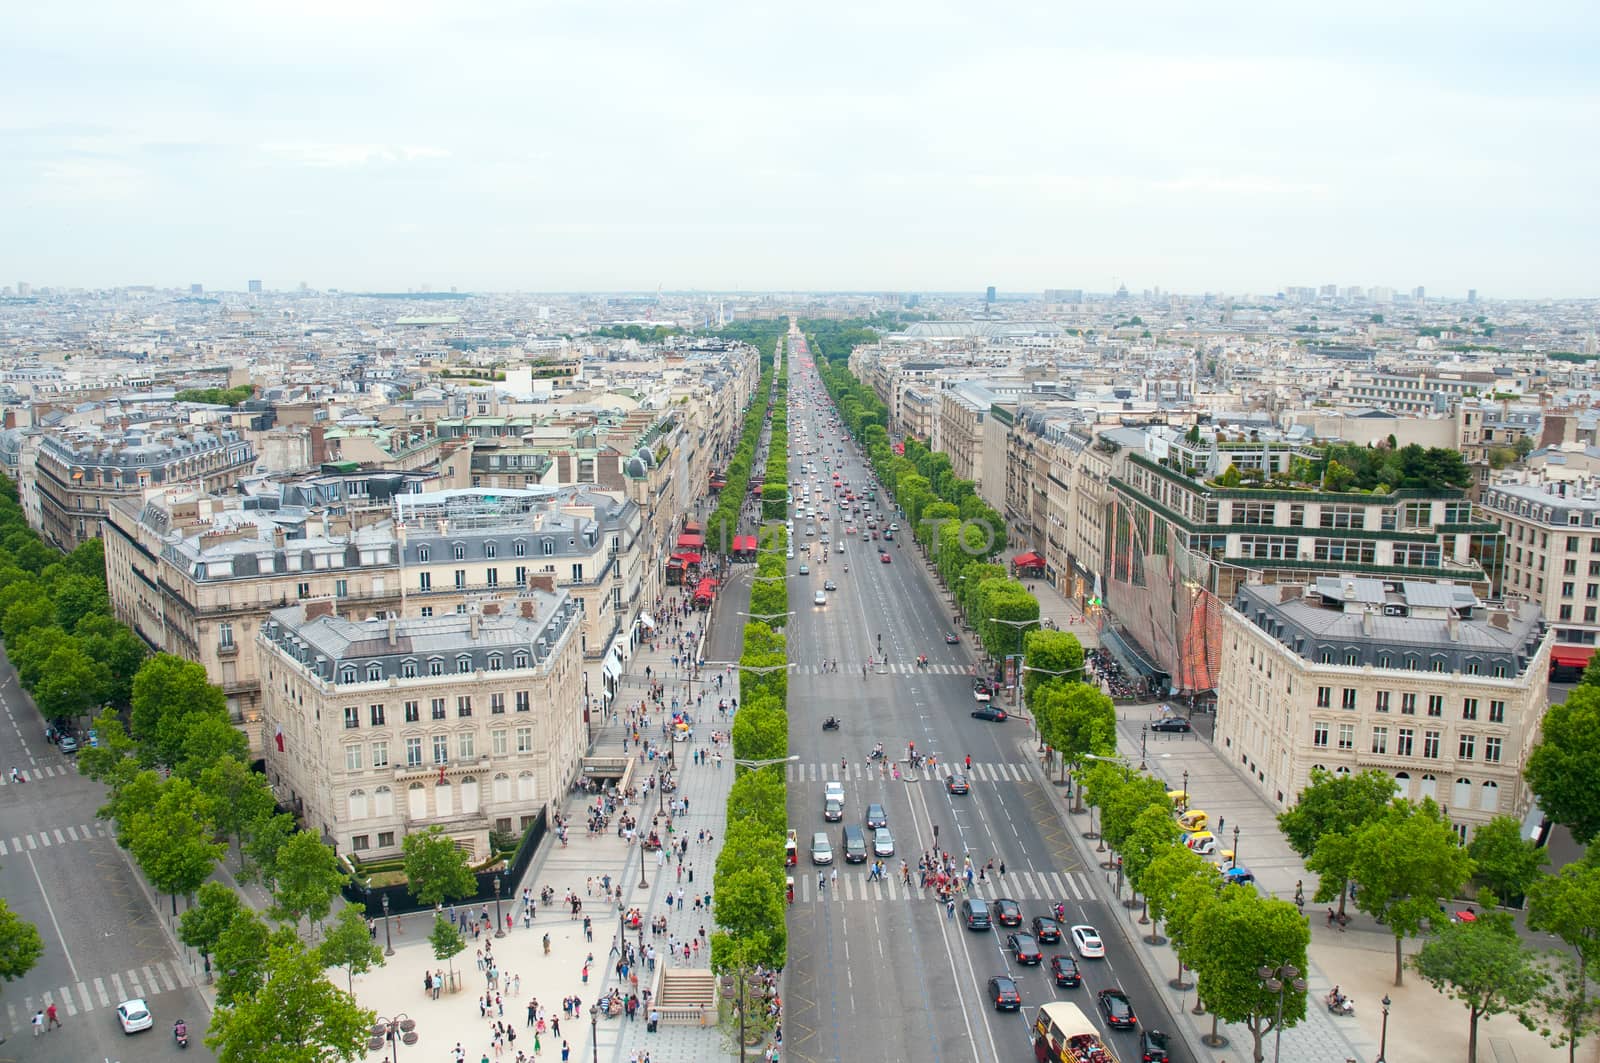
{"x":46,"y":839}
{"x":106,"y":991}
{"x":43,"y":771}
{"x":1046,"y":887}
{"x":892,"y":668}
{"x":860,"y":770}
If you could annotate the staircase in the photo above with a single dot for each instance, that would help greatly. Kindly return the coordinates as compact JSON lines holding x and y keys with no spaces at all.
{"x":686,"y":997}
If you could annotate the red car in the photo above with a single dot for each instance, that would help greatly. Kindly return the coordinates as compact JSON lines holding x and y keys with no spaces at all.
{"x":884,"y":558}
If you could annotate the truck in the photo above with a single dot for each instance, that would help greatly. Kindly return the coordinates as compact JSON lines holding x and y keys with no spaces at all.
{"x":1062,"y":1033}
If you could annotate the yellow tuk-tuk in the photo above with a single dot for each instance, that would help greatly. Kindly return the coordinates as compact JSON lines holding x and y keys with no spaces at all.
{"x":1194,"y":820}
{"x":1179,"y":799}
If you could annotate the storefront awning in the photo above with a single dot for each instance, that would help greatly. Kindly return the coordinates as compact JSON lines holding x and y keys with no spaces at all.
{"x":1028,"y":560}
{"x":1571,"y":656}
{"x":611,"y":667}
{"x":647,"y":620}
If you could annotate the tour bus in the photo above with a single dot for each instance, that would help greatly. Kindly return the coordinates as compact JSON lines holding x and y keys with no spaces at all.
{"x":1062,"y":1033}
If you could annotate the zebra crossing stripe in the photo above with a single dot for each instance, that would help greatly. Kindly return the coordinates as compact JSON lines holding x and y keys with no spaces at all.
{"x":59,"y":839}
{"x":83,"y":994}
{"x":100,"y":991}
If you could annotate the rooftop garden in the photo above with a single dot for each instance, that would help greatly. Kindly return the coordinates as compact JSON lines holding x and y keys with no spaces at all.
{"x":1349,"y":468}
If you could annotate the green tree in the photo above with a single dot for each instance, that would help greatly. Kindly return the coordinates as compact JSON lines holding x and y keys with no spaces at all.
{"x":1568,"y":906}
{"x":78,"y":596}
{"x":1403,"y":862}
{"x":1124,"y":804}
{"x":1051,"y":657}
{"x":294,"y":1015}
{"x":750,"y":908}
{"x":447,"y":942}
{"x":1336,"y":477}
{"x":1166,"y":875}
{"x":72,"y":684}
{"x":239,"y":798}
{"x":436,"y":871}
{"x":240,"y":953}
{"x":1231,"y":940}
{"x":1483,"y":966}
{"x":172,"y":839}
{"x":20,"y":944}
{"x":1566,"y":1005}
{"x":349,"y":944}
{"x":1505,"y":861}
{"x":201,"y":927}
{"x":1334,"y":805}
{"x":209,"y":740}
{"x":305,"y":878}
{"x":1154,"y":832}
{"x":264,"y":836}
{"x":169,"y":695}
{"x":1564,"y":768}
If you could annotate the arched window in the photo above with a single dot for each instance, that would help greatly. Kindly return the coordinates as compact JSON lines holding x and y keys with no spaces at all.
{"x":1342,"y":770}
{"x":444,"y":799}
{"x":1402,"y":784}
{"x":525,"y":786}
{"x":374,"y":672}
{"x":1489,"y":796}
{"x":489,"y":549}
{"x":383,"y":802}
{"x":358,"y":804}
{"x":347,"y":674}
{"x":1461,"y":797}
{"x":458,"y":551}
{"x":408,"y":668}
{"x":464,"y":663}
{"x":495,"y":661}
{"x":520,"y":548}
{"x":469,"y":795}
{"x":417,"y":801}
{"x":1428,"y":787}
{"x":502,"y":788}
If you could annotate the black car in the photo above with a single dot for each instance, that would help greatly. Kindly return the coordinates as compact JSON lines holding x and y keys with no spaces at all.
{"x":1171,"y":723}
{"x":975,"y":913}
{"x":876,"y":817}
{"x":1007,"y":912}
{"x":1047,"y":930}
{"x":990,"y":711}
{"x":1153,"y":1047}
{"x":1064,"y":969}
{"x":1003,"y":991}
{"x":956,"y":783}
{"x":1025,"y":950}
{"x":1117,"y":1009}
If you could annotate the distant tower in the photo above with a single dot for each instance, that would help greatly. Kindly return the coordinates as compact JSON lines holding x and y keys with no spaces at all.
{"x":988,"y":296}
{"x":1419,"y":293}
{"x":722,"y":318}
{"x":254,"y":286}
{"x":1472,"y":296}
{"x":197,"y":289}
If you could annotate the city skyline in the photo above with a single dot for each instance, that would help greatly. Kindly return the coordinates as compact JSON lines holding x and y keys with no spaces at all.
{"x":721,"y":147}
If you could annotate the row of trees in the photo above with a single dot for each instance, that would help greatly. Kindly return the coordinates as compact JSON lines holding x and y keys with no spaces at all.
{"x":723,"y":524}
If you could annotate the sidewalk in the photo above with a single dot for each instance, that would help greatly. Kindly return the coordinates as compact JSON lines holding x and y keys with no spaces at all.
{"x":1423,"y":1024}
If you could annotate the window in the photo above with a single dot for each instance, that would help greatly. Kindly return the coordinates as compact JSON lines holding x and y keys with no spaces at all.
{"x":425,"y":581}
{"x":347,"y":674}
{"x":1591,"y":591}
{"x":1564,"y":612}
{"x":463,"y":664}
{"x":1467,"y":747}
{"x":497,"y":704}
{"x":1435,"y":704}
{"x":464,"y":745}
{"x":1408,"y":704}
{"x":519,"y":548}
{"x":1402,"y":741}
{"x":548,"y":546}
{"x":376,"y":713}
{"x":1492,"y":749}
{"x":489,"y":549}
{"x":352,"y":758}
{"x":424,"y":554}
{"x":1469,"y":708}
{"x":1380,"y":740}
{"x":522,"y":575}
{"x":524,"y":739}
{"x":1381,"y":701}
{"x":1569,"y":567}
{"x":519,"y":660}
{"x":464,"y":705}
{"x":1347,"y":736}
{"x":441,"y":749}
{"x":408,"y":669}
{"x":577,"y":573}
{"x":458,"y":551}
{"x":1352,"y":658}
{"x":1319,"y":734}
{"x":225,"y":635}
{"x":435,"y":666}
{"x":341,"y":588}
{"x":522,"y":701}
{"x":436,"y":707}
{"x":461,"y":579}
{"x":1567,"y":590}
{"x":1324,"y":697}
{"x":359,"y":842}
{"x":352,"y":716}
{"x":302,"y":590}
{"x":495,"y":661}
{"x":1347,"y":698}
{"x":1489,"y":796}
{"x":492,"y":577}
{"x":1497,"y":712}
{"x":1462,"y":795}
{"x":380,"y":754}
{"x":1430,"y":745}
{"x":386,"y":839}
{"x":374,"y":672}
{"x":413,"y":752}
{"x":498,"y":742}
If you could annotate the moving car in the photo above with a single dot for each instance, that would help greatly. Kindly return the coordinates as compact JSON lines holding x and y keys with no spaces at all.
{"x":1086,"y":939}
{"x":975,"y":913}
{"x":134,"y":1015}
{"x":833,"y":809}
{"x":1117,"y":1009}
{"x":821,"y":850}
{"x":1003,"y":991}
{"x":884,"y":558}
{"x":882,"y":842}
{"x":833,"y":788}
{"x":956,"y":783}
{"x":1171,"y":723}
{"x":1153,"y":1047}
{"x":855,"y":846}
{"x":1064,"y":969}
{"x":1047,"y":930}
{"x":67,"y":744}
{"x":876,"y":816}
{"x":820,"y":598}
{"x":1007,"y":911}
{"x":1024,"y":949}
{"x":829,"y":585}
{"x":805,"y":570}
{"x":981,"y":691}
{"x":989,"y":712}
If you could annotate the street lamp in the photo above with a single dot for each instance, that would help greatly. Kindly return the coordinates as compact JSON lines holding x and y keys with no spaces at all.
{"x":401,"y":1029}
{"x":594,"y":1030}
{"x":1281,"y":980}
{"x":1383,"y":1037}
{"x":1235,"y":862}
{"x":1144,"y":736}
{"x":753,"y":764}
{"x":766,"y":618}
{"x":1187,"y":803}
{"x":388,"y":942}
{"x":499,"y":923}
{"x":642,"y":883}
{"x":1017,"y":626}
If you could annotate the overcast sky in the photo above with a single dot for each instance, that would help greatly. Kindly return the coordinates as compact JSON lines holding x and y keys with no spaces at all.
{"x":625,"y":144}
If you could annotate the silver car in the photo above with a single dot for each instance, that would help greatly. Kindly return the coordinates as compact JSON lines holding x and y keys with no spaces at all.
{"x":882,"y":842}
{"x":821,"y":849}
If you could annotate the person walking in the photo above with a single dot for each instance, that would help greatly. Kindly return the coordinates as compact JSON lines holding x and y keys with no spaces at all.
{"x":38,"y":1016}
{"x":51,"y":1019}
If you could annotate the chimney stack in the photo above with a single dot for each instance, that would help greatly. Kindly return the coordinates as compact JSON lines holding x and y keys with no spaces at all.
{"x":1368,"y":621}
{"x":393,"y":627}
{"x":277,"y":537}
{"x":474,"y":624}
{"x":1453,"y":625}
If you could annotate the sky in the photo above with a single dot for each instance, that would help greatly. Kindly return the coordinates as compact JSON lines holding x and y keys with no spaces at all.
{"x":720,"y":145}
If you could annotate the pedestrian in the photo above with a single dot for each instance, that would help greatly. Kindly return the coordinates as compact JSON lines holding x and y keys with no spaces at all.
{"x":53,"y":1019}
{"x":38,"y":1016}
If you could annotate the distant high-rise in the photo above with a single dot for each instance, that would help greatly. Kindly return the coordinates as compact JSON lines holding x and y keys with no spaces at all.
{"x":24,"y":289}
{"x":1419,"y":293}
{"x":254,"y":286}
{"x":197,"y":289}
{"x":1472,"y":295}
{"x":1063,"y":295}
{"x":989,"y":295}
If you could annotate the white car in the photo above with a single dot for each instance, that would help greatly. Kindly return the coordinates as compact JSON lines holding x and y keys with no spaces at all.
{"x":1086,"y":939}
{"x":882,"y":842}
{"x":834,"y":788}
{"x":134,"y":1016}
{"x":820,"y":598}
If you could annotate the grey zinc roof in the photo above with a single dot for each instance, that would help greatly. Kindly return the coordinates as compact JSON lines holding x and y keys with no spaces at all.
{"x":1351,"y":589}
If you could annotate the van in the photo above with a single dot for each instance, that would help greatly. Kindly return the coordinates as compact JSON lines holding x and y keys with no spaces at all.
{"x":855,"y":845}
{"x":975,"y":913}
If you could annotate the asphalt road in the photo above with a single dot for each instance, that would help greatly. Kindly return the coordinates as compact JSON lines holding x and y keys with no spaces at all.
{"x":881,"y":968}
{"x":61,"y":870}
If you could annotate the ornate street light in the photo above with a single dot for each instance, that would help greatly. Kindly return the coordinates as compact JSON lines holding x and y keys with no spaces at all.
{"x":1282,"y":981}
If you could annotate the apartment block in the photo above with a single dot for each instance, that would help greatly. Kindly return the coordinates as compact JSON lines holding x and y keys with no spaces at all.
{"x":1552,"y":533}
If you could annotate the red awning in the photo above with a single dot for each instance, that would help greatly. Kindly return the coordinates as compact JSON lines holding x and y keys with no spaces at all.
{"x":686,"y":559}
{"x":1571,"y":656}
{"x":743,"y":542}
{"x":1028,"y":560}
{"x":690,"y":542}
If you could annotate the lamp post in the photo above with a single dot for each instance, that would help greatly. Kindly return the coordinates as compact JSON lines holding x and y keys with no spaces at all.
{"x":1187,"y":804}
{"x":388,"y":942}
{"x":1235,"y":862}
{"x":1383,"y":1037}
{"x":1144,"y":737}
{"x":499,"y":922}
{"x":594,"y":1030}
{"x":1281,"y":980}
{"x":1018,"y":626}
{"x":396,"y":1030}
{"x":642,"y":883}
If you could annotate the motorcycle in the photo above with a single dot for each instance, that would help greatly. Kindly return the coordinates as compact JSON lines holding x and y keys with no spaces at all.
{"x":830,"y":724}
{"x":922,"y":660}
{"x":1339,"y":1004}
{"x":876,"y":754}
{"x":180,"y":1033}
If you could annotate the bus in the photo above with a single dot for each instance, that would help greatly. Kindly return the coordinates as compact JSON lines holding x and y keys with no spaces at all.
{"x":1062,"y":1033}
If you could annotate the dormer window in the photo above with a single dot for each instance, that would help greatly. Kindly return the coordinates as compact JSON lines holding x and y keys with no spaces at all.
{"x":347,"y":674}
{"x":436,"y":666}
{"x":464,"y":663}
{"x":495,"y":661}
{"x":374,"y":673}
{"x":520,"y":660}
{"x":423,"y":553}
{"x":549,"y":546}
{"x":408,"y":669}
{"x":489,"y":549}
{"x":458,"y":551}
{"x":520,"y":548}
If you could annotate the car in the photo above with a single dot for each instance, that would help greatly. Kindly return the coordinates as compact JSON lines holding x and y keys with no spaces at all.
{"x":1024,"y":949}
{"x":833,"y":809}
{"x":805,"y":570}
{"x":1003,"y":991}
{"x":1117,"y":1009}
{"x":821,"y":850}
{"x":876,"y":816}
{"x":855,"y":846}
{"x":981,"y":691}
{"x":833,"y":788}
{"x":1171,"y":723}
{"x":134,"y":1015}
{"x":956,"y":783}
{"x":67,"y":744}
{"x":820,"y":598}
{"x":1238,"y":875}
{"x":1007,"y":912}
{"x":884,"y":558}
{"x":975,"y":913}
{"x":1064,"y":969}
{"x":839,"y":546}
{"x":1086,"y":939}
{"x":990,"y":711}
{"x":829,"y":585}
{"x":1047,"y":930}
{"x":882,"y":842}
{"x":1153,"y":1047}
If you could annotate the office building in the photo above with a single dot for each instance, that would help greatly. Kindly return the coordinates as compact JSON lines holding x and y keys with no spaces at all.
{"x":255,"y":287}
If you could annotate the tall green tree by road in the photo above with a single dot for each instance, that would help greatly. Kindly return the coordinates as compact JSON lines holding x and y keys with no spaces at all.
{"x":169,"y":694}
{"x":20,"y":944}
{"x":1334,"y":805}
{"x":1402,"y":863}
{"x":1564,"y":768}
{"x":294,"y":1015}
{"x":435,"y":869}
{"x":240,"y":956}
{"x":1568,"y":906}
{"x":1484,"y":966}
{"x":240,"y":797}
{"x":1504,"y":861}
{"x":172,"y":839}
{"x":1232,"y":940}
{"x":350,"y":944}
{"x":306,"y":877}
{"x":201,"y":927}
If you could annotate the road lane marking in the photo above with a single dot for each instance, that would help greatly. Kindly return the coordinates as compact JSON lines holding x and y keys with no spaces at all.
{"x":59,"y":839}
{"x":51,"y":909}
{"x":83,"y":994}
{"x":116,"y":987}
{"x":100,"y":991}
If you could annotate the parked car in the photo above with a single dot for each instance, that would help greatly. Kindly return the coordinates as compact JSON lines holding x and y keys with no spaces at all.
{"x":990,"y":711}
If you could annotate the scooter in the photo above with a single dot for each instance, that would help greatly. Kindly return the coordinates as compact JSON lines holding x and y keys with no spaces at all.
{"x":830,"y":724}
{"x":876,"y":754}
{"x":1339,"y":1004}
{"x":180,"y":1033}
